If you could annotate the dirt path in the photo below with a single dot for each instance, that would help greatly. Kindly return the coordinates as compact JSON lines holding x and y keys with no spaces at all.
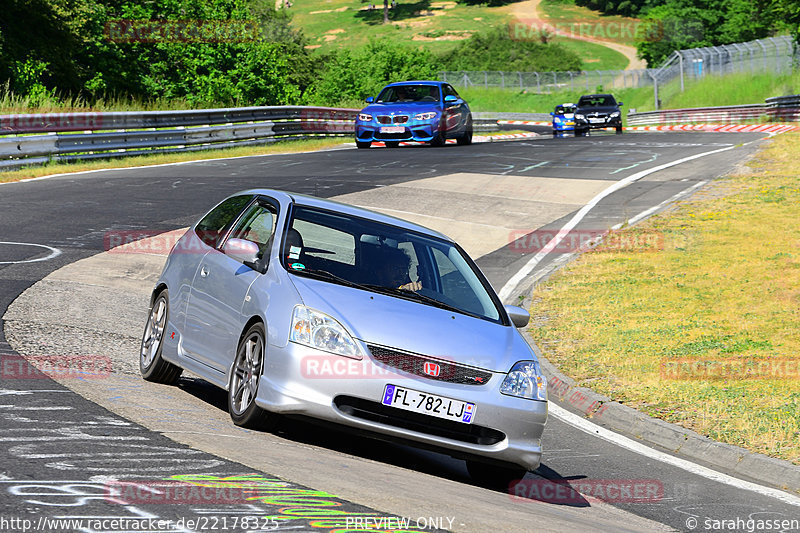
{"x":528,"y":11}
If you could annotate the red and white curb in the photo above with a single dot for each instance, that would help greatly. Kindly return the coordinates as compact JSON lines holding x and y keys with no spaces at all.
{"x":525,"y":122}
{"x":723,"y":128}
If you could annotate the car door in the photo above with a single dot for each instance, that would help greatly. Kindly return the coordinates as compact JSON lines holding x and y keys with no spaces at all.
{"x":214,"y":318}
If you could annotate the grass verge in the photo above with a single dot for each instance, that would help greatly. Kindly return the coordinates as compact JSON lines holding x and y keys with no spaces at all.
{"x":282,"y":147}
{"x":702,"y":332}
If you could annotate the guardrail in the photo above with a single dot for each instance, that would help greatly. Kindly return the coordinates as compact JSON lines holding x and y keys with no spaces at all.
{"x":83,"y":136}
{"x":778,"y":109}
{"x":38,"y":139}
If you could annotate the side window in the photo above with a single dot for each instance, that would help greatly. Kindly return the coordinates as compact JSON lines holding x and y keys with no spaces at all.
{"x":257,"y":225}
{"x":448,"y":90}
{"x":211,"y":228}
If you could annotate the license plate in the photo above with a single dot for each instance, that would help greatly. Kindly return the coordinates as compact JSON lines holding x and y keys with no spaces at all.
{"x":428,"y":404}
{"x":392,"y":129}
{"x":569,"y":124}
{"x":597,"y":120}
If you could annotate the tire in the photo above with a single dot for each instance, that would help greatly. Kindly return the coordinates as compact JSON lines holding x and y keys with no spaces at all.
{"x":580,"y":133}
{"x":361,"y":144}
{"x":243,"y":387}
{"x":466,"y":139}
{"x":439,"y":139}
{"x":151,"y":365}
{"x":497,"y":477}
{"x":619,"y":130}
{"x":391,"y":144}
{"x":555,"y":133}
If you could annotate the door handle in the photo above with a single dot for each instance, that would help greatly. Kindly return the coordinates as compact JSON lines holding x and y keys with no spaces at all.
{"x":204,"y":272}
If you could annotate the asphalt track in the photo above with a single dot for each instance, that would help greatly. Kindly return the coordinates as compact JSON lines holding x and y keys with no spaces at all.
{"x":75,"y":213}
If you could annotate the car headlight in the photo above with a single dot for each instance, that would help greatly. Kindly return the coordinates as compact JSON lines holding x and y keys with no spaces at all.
{"x":363,"y":117}
{"x":525,"y":380}
{"x":425,"y":116}
{"x":318,"y":330}
{"x":615,"y":114}
{"x":579,"y":116}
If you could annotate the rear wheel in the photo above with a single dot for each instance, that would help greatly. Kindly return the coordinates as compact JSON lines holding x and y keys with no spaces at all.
{"x":500,"y":477}
{"x":245,"y":376}
{"x":151,"y":365}
{"x":361,"y":144}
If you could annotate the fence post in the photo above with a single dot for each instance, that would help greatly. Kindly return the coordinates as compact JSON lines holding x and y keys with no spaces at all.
{"x":520,"y":80}
{"x":680,"y":62}
{"x":538,"y":84}
{"x":485,"y":80}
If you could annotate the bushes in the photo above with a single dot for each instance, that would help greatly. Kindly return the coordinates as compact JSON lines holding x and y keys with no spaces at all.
{"x":350,"y":76}
{"x":496,"y":50}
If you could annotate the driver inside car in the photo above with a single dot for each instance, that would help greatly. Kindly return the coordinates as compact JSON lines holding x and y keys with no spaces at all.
{"x":394,"y":268}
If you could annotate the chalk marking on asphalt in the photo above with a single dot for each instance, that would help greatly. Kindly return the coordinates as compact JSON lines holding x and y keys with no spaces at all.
{"x":517,"y":278}
{"x":606,"y":434}
{"x":54,"y":252}
{"x":624,"y":442}
{"x":652,"y":158}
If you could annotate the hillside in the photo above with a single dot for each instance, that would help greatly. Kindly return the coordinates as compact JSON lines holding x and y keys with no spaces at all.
{"x":438,"y":26}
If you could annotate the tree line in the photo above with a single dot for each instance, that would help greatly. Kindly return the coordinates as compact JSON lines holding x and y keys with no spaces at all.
{"x":220,"y":53}
{"x":680,"y":24}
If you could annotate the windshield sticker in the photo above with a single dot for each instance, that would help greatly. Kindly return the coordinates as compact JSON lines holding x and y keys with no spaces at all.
{"x":294,"y":252}
{"x":298,"y":266}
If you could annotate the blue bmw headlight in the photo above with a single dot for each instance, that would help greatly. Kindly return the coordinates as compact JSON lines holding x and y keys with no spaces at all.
{"x":363,"y":117}
{"x":425,"y":116}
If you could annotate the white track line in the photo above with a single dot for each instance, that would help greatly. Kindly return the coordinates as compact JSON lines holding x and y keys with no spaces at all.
{"x":591,"y":428}
{"x":630,"y":444}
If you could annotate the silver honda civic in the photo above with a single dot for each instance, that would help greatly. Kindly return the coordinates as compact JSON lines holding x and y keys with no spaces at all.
{"x":302,"y":306}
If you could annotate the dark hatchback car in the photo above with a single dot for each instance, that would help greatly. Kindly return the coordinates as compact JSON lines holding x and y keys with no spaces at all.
{"x":597,"y":111}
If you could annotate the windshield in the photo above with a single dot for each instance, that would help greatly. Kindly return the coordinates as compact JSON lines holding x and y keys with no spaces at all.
{"x":597,"y":101}
{"x":378,"y":257}
{"x":409,"y":93}
{"x":561,"y":110}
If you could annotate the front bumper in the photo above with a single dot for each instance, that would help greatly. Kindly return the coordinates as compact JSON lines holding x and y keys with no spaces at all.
{"x":602,"y":122}
{"x":564,"y":126}
{"x":504,"y":428}
{"x":420,"y":132}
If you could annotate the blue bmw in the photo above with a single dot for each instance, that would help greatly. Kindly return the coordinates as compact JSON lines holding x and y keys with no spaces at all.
{"x":424,"y":111}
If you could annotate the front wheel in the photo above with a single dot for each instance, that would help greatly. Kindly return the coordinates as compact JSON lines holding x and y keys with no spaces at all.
{"x":361,"y":144}
{"x":244,"y":381}
{"x":151,"y":365}
{"x":619,"y":130}
{"x":467,"y":137}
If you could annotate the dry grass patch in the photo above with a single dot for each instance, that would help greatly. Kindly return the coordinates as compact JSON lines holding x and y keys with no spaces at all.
{"x":722,"y":296}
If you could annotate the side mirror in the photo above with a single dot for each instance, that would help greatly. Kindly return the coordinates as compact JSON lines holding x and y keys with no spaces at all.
{"x":619,"y":104}
{"x":370,"y":99}
{"x":519,"y":316}
{"x":245,"y":252}
{"x":552,"y":114}
{"x":450,"y":99}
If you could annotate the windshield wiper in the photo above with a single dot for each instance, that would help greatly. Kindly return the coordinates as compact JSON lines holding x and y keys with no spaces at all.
{"x":324,"y":274}
{"x":413,"y":295}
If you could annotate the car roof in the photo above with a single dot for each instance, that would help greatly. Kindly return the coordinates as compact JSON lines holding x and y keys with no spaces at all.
{"x":333,"y":205}
{"x":596,"y":95}
{"x":415,"y":82}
